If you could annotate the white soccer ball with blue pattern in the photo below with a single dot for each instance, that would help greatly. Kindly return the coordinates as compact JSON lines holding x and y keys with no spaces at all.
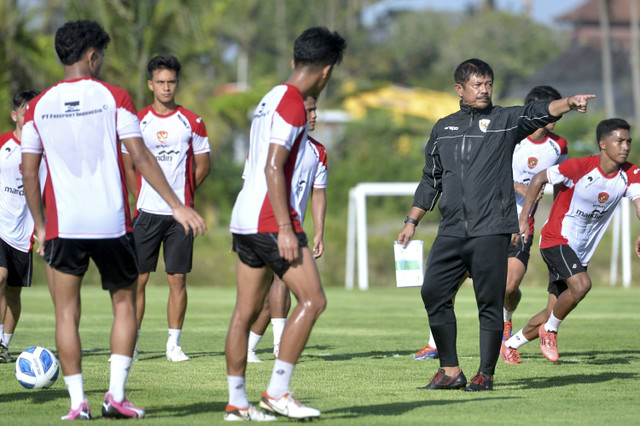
{"x":37,"y":368}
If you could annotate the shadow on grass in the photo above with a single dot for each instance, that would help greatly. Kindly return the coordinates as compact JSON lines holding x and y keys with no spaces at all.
{"x":148,"y":355}
{"x":347,"y":356}
{"x":182,"y":410}
{"x":570,"y":380}
{"x":601,"y":357}
{"x":42,"y":396}
{"x":397,"y":408}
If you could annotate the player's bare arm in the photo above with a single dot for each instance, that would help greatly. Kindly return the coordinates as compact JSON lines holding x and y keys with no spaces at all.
{"x":274,"y":171}
{"x":32,"y":191}
{"x":535,"y":186}
{"x":144,"y":161}
{"x":636,"y":245}
{"x":203,"y":168}
{"x":572,"y":103}
{"x":407,"y":231}
{"x":318,"y":211}
{"x":130,"y":174}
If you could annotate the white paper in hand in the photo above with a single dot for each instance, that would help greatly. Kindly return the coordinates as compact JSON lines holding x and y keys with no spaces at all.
{"x":409,"y":264}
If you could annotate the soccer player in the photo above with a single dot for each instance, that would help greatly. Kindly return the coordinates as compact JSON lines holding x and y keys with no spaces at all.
{"x":592,"y":188}
{"x":178,"y":139}
{"x":468,"y":162}
{"x":312,"y":180}
{"x":538,"y":151}
{"x":267,"y":233}
{"x":16,"y":227}
{"x":78,"y":124}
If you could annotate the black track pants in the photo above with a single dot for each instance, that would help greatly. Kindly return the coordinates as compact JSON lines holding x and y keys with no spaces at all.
{"x":486,"y":260}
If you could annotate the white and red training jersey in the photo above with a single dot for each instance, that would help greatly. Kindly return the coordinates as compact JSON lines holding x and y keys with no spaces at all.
{"x":173,"y":139}
{"x":16,"y":223}
{"x":77,"y":124}
{"x":531,"y":157}
{"x":281,"y":119}
{"x":313,"y":174}
{"x":585,"y":205}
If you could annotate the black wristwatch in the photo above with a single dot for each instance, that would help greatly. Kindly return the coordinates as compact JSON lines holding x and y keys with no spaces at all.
{"x":411,"y":220}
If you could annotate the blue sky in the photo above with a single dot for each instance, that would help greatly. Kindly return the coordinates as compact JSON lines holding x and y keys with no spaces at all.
{"x":544,"y":11}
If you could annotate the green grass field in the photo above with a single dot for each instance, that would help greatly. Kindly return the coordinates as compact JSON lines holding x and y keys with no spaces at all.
{"x":357,"y":367}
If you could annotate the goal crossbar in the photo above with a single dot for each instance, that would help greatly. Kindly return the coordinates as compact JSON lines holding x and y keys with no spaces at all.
{"x":357,"y":231}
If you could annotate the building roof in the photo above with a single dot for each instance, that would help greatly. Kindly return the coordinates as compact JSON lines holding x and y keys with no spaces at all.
{"x":589,"y":11}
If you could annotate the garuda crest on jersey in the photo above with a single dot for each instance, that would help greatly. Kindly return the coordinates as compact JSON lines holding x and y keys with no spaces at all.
{"x":532,"y":162}
{"x":162,"y":136}
{"x":603,"y":197}
{"x":484,"y":125}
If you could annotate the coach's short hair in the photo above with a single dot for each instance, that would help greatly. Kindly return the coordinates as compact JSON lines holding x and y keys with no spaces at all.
{"x":74,"y":38}
{"x":608,"y":126}
{"x":163,"y":62}
{"x":470,"y":67}
{"x":542,"y":93}
{"x":23,"y":97}
{"x":318,"y":46}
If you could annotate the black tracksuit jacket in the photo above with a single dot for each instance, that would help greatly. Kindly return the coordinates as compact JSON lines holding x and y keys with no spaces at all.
{"x":468,"y":161}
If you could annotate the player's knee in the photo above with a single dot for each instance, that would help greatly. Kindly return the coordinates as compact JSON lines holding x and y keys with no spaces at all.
{"x":315,"y":305}
{"x":13,"y":295}
{"x":581,"y":289}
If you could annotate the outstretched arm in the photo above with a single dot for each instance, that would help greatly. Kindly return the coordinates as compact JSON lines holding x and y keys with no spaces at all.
{"x":572,"y":103}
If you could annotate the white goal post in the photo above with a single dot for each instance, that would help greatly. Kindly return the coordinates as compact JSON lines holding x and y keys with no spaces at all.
{"x":357,"y":231}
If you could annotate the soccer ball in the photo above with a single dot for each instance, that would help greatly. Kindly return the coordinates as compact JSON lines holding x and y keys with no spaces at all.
{"x":37,"y":368}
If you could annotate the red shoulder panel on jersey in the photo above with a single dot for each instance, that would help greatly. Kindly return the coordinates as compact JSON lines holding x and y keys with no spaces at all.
{"x":291,"y":107}
{"x":562,"y":142}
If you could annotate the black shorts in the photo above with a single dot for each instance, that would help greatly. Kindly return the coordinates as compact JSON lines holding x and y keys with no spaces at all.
{"x":114,"y":257}
{"x":563,"y":263}
{"x":521,"y":251}
{"x":150,"y":231}
{"x":258,"y":250}
{"x":18,"y":263}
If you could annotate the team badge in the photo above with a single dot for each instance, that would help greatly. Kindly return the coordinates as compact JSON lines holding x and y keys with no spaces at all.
{"x":532,"y":162}
{"x":603,"y":197}
{"x":162,"y":136}
{"x":484,"y":125}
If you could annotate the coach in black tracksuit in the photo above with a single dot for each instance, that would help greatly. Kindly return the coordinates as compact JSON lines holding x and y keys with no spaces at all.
{"x":468,"y":161}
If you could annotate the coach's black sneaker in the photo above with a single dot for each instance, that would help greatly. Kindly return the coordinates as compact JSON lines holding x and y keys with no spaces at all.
{"x":480,"y":382}
{"x":442,"y":381}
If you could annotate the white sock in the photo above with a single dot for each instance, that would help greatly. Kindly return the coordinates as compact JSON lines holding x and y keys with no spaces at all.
{"x":76,"y":390}
{"x":277,"y":324}
{"x":254,"y":339}
{"x":552,"y":323}
{"x":1,"y":334}
{"x":7,"y":340}
{"x":280,"y":379}
{"x":432,"y":341}
{"x":516,"y":340}
{"x":120,"y":366}
{"x":506,"y":315}
{"x":174,"y":338}
{"x":237,"y":393}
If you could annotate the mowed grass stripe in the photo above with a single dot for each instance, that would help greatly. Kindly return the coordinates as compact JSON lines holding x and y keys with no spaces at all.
{"x":357,"y":367}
